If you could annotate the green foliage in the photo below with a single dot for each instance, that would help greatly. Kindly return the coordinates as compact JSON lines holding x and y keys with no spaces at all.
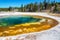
{"x":56,"y":7}
{"x":3,"y":9}
{"x":10,"y":8}
{"x":21,"y":8}
{"x":33,"y":7}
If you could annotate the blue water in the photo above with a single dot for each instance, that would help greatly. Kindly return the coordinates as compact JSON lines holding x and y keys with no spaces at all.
{"x":13,"y":20}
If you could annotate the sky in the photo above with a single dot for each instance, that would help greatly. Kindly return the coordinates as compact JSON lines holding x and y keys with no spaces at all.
{"x":17,"y":3}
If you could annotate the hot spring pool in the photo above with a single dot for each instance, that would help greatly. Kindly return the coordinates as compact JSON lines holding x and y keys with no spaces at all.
{"x":14,"y":20}
{"x":14,"y":25}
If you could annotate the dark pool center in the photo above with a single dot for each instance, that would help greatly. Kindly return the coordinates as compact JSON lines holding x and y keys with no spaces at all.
{"x":14,"y":20}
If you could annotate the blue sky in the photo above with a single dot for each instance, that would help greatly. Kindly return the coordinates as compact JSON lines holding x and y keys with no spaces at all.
{"x":17,"y":3}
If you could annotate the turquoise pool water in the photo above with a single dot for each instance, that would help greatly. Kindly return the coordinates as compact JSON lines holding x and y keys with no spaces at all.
{"x":13,"y":20}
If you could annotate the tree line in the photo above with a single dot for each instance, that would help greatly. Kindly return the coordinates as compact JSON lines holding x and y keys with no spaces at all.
{"x":35,"y":7}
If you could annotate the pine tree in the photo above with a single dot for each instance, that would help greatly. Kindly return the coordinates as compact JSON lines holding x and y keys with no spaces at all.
{"x":10,"y":8}
{"x":21,"y":8}
{"x":45,"y":4}
{"x":35,"y":7}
